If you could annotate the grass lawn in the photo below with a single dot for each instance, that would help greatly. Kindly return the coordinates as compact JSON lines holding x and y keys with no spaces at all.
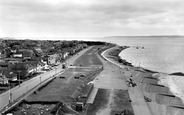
{"x":89,"y":58}
{"x":62,"y":89}
{"x":100,"y":102}
{"x":116,"y":51}
{"x":121,"y":102}
{"x":65,"y":87}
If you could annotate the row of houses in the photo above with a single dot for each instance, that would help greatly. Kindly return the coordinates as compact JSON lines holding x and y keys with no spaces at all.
{"x":13,"y":71}
{"x":19,"y":65}
{"x":24,"y":62}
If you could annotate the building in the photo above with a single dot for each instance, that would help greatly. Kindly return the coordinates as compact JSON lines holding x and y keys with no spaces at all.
{"x":13,"y":60}
{"x":12,"y":76}
{"x":34,"y":66}
{"x":3,"y":79}
{"x":45,"y":59}
{"x":5,"y":71}
{"x":65,"y":55}
{"x":7,"y":75}
{"x":3,"y":64}
{"x":6,"y":52}
{"x":38,"y":51}
{"x":24,"y":54}
{"x":21,"y":69}
{"x":54,"y":59}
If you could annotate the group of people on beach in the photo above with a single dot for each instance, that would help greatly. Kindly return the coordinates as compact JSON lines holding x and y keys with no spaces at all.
{"x":131,"y":83}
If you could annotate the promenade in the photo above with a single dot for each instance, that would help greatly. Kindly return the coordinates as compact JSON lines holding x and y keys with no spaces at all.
{"x":139,"y":105}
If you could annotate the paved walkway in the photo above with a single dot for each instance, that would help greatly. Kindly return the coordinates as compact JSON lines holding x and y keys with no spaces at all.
{"x":110,"y":78}
{"x":138,"y":102}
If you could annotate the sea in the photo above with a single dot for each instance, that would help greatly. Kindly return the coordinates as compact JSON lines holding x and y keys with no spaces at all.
{"x":164,"y":54}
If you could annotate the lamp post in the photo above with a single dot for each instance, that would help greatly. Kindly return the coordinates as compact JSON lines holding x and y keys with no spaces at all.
{"x":40,"y":80}
{"x":9,"y":93}
{"x":27,"y":88}
{"x":19,"y":76}
{"x":55,"y":70}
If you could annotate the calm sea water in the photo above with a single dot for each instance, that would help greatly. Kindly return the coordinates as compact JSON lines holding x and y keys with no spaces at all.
{"x":162,"y":54}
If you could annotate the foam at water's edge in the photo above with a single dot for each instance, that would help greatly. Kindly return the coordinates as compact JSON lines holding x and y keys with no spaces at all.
{"x":172,"y":82}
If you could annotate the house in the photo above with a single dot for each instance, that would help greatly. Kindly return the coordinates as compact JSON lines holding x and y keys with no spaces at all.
{"x":3,"y":64}
{"x":34,"y":66}
{"x":38,"y":51}
{"x":72,"y":51}
{"x":62,"y":55}
{"x":12,"y":76}
{"x":21,"y":69}
{"x":65,"y":55}
{"x":6,"y":67}
{"x":6,"y":52}
{"x":3,"y":79}
{"x":17,"y":55}
{"x":24,"y":69}
{"x":53,"y":59}
{"x":13,"y":61}
{"x":45,"y":59}
{"x":24,"y":54}
{"x":9,"y":74}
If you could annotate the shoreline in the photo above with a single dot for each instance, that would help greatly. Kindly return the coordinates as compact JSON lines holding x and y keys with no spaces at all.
{"x":125,"y":62}
{"x":161,"y":102}
{"x":177,"y":73}
{"x":146,"y":69}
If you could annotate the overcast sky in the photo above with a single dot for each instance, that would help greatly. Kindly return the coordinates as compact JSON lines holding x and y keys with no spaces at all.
{"x":91,"y":18}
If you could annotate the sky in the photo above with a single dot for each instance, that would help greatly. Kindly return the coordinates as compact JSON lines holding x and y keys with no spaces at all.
{"x":90,"y":18}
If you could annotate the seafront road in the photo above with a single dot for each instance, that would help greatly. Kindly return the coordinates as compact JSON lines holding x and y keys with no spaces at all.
{"x":26,"y":86}
{"x":110,"y":77}
{"x":114,"y":77}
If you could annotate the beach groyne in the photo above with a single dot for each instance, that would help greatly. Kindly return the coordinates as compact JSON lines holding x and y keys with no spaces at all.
{"x":160,"y":96}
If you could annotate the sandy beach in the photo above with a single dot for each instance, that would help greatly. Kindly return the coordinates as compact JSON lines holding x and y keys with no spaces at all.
{"x":158,"y":98}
